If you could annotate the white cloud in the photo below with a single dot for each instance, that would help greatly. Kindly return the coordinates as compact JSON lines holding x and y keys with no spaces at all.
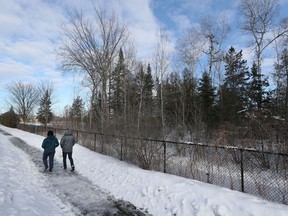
{"x":182,"y":22}
{"x":27,"y":29}
{"x":31,"y":29}
{"x":12,"y":70}
{"x":141,"y":22}
{"x":37,"y":52}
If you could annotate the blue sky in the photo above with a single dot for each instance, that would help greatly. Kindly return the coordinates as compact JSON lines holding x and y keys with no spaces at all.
{"x":29,"y":30}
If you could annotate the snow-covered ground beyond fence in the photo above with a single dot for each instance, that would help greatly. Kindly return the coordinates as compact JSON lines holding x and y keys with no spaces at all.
{"x":23,"y":190}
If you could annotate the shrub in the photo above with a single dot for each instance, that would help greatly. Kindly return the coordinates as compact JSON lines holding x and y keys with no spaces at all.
{"x":9,"y":119}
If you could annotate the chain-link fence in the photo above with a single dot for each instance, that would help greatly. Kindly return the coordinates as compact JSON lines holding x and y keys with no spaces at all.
{"x":264,"y":174}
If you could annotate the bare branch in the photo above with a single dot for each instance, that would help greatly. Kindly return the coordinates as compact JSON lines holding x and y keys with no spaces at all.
{"x":259,"y":20}
{"x":24,"y":97}
{"x":90,"y":46}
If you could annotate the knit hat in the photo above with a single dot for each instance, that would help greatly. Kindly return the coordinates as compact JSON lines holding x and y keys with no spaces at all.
{"x":50,"y":133}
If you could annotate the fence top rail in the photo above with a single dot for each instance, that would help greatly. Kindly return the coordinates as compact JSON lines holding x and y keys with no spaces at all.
{"x":175,"y":142}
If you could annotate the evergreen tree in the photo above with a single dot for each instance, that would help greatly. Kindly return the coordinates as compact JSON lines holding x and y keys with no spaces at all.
{"x":77,"y":109}
{"x":173,"y":105}
{"x":118,"y":86}
{"x":281,"y":76}
{"x":282,"y":89}
{"x":44,"y":114}
{"x":233,"y":91}
{"x":9,"y":119}
{"x":258,"y":94}
{"x":190,"y":113}
{"x":95,"y":110}
{"x":140,"y":81}
{"x":148,"y":90}
{"x":131,"y":100}
{"x":144,"y":86}
{"x":207,"y":100}
{"x":236,"y":75}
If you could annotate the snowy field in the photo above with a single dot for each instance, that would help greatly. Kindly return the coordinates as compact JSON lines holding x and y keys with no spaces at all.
{"x":25,"y":190}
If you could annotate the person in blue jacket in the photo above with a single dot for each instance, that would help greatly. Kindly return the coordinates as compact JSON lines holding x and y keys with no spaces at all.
{"x":49,"y":145}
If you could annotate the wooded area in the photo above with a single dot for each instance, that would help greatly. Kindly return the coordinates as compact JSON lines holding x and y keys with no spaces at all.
{"x":197,"y":91}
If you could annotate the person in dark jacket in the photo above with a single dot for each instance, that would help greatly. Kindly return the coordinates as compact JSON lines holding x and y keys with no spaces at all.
{"x":67,"y":142}
{"x":49,"y":145}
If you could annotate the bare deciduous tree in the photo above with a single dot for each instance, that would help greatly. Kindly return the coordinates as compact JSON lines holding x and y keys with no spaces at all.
{"x":259,"y":19}
{"x":190,"y":48}
{"x":162,"y":58}
{"x":89,"y":46}
{"x":215,"y":32}
{"x":24,"y":98}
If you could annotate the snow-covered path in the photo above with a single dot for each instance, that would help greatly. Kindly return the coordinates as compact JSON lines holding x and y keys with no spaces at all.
{"x":22,"y":190}
{"x":73,"y":189}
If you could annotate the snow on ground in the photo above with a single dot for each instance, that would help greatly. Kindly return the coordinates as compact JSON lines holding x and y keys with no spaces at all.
{"x":21,"y":190}
{"x":158,"y":193}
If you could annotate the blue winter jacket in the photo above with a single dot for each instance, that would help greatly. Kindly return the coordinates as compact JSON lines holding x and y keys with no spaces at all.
{"x":50,"y":143}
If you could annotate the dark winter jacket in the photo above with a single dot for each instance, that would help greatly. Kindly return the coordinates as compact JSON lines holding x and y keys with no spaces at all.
{"x":50,"y":143}
{"x":67,"y":142}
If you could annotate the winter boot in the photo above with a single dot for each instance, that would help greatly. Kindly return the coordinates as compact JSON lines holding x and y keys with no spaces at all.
{"x":73,"y":168}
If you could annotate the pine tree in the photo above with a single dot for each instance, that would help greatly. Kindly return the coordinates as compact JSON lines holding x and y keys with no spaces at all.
{"x":258,"y":94}
{"x":140,"y":82}
{"x":118,"y":86}
{"x":44,"y":114}
{"x":234,"y":89}
{"x":77,"y":109}
{"x":207,"y":100}
{"x":236,"y":73}
{"x":189,"y":93}
{"x":173,"y":106}
{"x":282,"y":89}
{"x":148,"y":90}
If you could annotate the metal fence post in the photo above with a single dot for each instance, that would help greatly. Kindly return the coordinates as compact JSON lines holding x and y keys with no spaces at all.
{"x":242,"y":171}
{"x":102,"y":143}
{"x":164,"y":157}
{"x":95,"y":140}
{"x":121,"y":149}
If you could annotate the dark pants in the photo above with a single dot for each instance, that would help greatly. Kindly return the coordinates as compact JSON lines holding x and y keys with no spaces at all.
{"x":51,"y":159}
{"x":70,"y":158}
